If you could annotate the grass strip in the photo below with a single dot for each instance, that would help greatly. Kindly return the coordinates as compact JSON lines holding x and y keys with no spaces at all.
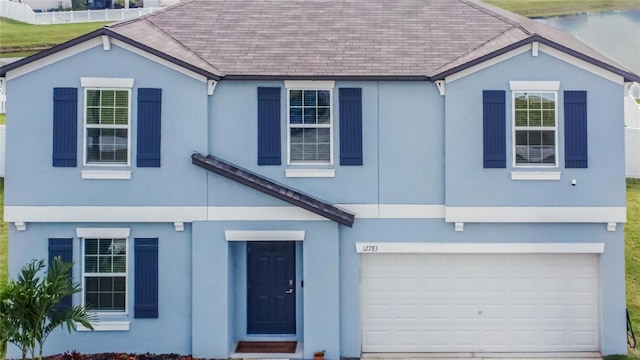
{"x":540,"y":8}
{"x":17,"y":36}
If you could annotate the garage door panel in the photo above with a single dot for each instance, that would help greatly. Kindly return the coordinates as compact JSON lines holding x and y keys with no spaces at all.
{"x":480,"y":302}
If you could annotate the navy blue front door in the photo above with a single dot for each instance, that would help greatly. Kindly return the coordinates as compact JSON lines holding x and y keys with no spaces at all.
{"x":271,"y":285}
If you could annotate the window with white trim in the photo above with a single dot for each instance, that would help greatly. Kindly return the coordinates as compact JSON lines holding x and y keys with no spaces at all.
{"x":535,"y":128}
{"x":107,"y":126}
{"x":104,"y":274}
{"x":309,"y":122}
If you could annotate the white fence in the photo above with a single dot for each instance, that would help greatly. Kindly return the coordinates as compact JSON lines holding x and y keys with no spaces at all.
{"x":22,"y":12}
{"x":3,"y":138}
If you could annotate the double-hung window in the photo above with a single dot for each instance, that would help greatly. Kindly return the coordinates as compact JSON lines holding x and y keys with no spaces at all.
{"x":309,"y":124}
{"x":107,"y":121}
{"x":535,"y":127}
{"x":105,"y":274}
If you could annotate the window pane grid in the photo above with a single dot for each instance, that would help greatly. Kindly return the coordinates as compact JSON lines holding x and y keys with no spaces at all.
{"x":105,"y":270}
{"x":107,"y":124}
{"x":535,"y":128}
{"x":310,"y":126}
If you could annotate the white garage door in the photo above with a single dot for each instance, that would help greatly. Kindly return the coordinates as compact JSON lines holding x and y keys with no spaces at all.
{"x":479,"y":302}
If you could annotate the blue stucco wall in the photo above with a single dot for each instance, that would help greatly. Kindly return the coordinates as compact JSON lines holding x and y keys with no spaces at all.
{"x":169,"y":333}
{"x":31,"y":176}
{"x":599,"y":185}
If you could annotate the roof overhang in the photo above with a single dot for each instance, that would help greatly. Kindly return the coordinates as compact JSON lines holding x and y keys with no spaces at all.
{"x":91,"y":40}
{"x":270,"y":187}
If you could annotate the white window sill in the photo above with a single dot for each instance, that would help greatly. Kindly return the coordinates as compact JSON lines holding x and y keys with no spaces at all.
{"x":106,"y":174}
{"x":535,"y":175}
{"x":310,"y":173}
{"x":105,"y":326}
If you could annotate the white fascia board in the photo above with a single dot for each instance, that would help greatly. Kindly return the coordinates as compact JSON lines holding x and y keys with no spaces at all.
{"x":536,"y":214}
{"x":309,"y":84}
{"x":362,"y":211}
{"x":53,"y":58}
{"x":105,"y":213}
{"x":98,"y":232}
{"x":159,"y":60}
{"x":534,"y":85}
{"x":264,"y":235}
{"x":485,"y":64}
{"x":411,"y":211}
{"x":477,"y":248}
{"x":582,"y":64}
{"x":100,"y":82}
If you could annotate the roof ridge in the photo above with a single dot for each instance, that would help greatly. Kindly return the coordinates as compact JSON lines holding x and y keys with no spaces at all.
{"x":490,"y":10}
{"x":220,"y":72}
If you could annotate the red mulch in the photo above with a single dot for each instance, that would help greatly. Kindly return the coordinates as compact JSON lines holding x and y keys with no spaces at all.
{"x":117,"y":356}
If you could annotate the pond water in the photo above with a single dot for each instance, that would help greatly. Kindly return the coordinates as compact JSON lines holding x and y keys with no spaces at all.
{"x":615,"y":34}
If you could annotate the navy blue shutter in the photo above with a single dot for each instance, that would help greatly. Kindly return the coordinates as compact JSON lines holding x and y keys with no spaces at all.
{"x":494,"y":129}
{"x":146,"y":278}
{"x":149,"y":129}
{"x":269,"y":126}
{"x":64,"y":249}
{"x":575,"y":129}
{"x":65,"y":127}
{"x":350,"y":126}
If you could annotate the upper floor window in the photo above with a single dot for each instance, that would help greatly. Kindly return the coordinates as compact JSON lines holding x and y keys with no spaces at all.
{"x":105,"y":274}
{"x":535,"y":127}
{"x":310,"y":121}
{"x":107,"y":124}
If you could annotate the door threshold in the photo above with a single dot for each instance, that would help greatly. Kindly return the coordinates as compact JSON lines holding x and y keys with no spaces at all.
{"x":299,"y":354}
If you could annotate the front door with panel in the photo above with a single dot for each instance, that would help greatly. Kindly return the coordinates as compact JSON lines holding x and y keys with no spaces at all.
{"x":271,"y":299}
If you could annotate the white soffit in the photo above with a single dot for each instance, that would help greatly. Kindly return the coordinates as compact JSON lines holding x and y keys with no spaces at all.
{"x":478,"y":248}
{"x":582,"y":64}
{"x":485,"y":64}
{"x":264,"y":235}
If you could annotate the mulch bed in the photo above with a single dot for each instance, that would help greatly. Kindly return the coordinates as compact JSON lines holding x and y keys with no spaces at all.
{"x":118,"y":356}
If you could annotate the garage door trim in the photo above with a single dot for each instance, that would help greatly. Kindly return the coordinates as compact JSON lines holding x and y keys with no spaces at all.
{"x":478,"y":248}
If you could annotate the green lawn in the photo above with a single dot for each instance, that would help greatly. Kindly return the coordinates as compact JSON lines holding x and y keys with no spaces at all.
{"x":537,"y":8}
{"x":632,"y":253}
{"x":16,"y":36}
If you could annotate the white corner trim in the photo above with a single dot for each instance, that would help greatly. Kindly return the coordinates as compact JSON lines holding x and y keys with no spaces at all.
{"x":441,"y":87}
{"x":310,"y":173}
{"x":159,"y":60}
{"x":536,"y":214}
{"x":534,"y":85}
{"x":211,"y":86}
{"x":179,"y":226}
{"x":477,"y":248}
{"x":106,"y":43}
{"x":459,"y":226}
{"x":309,"y":84}
{"x":53,"y":58}
{"x":535,"y":175}
{"x":582,"y":64}
{"x":485,"y":64}
{"x":20,"y":226}
{"x":105,"y":326}
{"x":106,"y":174}
{"x":95,"y":232}
{"x":264,"y":235}
{"x":534,"y":48}
{"x":106,"y":82}
{"x":611,"y":227}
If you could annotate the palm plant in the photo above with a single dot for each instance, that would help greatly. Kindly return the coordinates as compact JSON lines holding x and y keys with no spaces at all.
{"x":27,"y":306}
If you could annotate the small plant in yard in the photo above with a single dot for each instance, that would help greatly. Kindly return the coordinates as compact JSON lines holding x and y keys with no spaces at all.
{"x":318,"y":355}
{"x":27,"y":306}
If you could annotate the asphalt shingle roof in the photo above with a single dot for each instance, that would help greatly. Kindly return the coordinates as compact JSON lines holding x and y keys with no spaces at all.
{"x":335,"y":38}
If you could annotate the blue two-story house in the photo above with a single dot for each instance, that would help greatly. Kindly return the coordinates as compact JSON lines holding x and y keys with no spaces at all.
{"x":359,"y":177}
